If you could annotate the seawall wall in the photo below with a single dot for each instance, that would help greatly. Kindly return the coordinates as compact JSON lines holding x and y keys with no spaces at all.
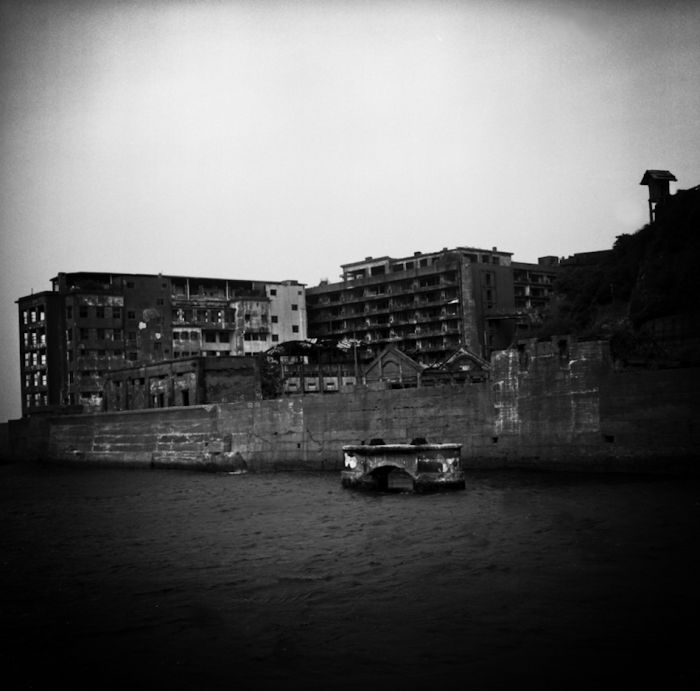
{"x":561,"y":408}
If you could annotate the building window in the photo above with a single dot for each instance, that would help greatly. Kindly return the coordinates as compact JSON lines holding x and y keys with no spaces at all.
{"x":100,"y":312}
{"x":273,"y":291}
{"x":118,"y":334}
{"x":83,"y":311}
{"x":295,"y":329}
{"x":295,"y":307}
{"x":275,"y":338}
{"x":273,"y":318}
{"x":131,"y":314}
{"x":84,"y":334}
{"x":224,"y":337}
{"x":129,"y":284}
{"x":101,"y":334}
{"x":132,"y":356}
{"x":25,"y":316}
{"x":69,"y":312}
{"x":159,"y":301}
{"x":116,"y":312}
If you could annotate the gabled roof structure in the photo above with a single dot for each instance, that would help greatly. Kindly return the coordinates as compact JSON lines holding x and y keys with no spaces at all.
{"x":393,"y":365}
{"x":461,"y":366}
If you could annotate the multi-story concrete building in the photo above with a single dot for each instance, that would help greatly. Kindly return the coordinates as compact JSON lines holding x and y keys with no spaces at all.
{"x":41,"y":366}
{"x":91,"y":323}
{"x":430,"y":304}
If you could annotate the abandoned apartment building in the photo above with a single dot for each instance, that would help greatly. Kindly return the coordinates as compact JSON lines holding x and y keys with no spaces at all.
{"x":90,"y":324}
{"x":430,"y":304}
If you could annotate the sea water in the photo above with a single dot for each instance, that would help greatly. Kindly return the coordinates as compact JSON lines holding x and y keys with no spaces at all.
{"x":161,"y":579}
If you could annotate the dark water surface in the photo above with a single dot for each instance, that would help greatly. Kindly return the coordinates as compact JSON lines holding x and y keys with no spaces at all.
{"x":169,"y":579}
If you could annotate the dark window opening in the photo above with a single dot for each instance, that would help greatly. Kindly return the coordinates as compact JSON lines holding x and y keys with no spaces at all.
{"x":523,"y":357}
{"x":563,"y":346}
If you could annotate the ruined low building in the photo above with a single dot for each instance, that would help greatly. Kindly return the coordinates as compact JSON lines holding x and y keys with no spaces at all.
{"x":393,"y":368}
{"x":183,"y":382}
{"x":460,"y":367}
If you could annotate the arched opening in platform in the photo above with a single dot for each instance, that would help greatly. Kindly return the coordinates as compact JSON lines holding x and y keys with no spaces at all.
{"x":392,"y":478}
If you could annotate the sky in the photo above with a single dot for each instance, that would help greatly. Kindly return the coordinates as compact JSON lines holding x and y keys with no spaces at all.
{"x":275,"y":140}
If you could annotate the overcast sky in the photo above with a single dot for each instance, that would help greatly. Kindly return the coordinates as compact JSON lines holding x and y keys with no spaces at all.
{"x":274,"y":140}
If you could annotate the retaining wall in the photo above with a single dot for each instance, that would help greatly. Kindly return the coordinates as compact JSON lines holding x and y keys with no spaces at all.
{"x":561,"y":410}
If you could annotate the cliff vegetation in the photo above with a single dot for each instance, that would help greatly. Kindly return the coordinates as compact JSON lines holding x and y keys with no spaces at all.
{"x":647,"y":277}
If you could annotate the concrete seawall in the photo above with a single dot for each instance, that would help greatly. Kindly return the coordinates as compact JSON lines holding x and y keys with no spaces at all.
{"x":556,"y":410}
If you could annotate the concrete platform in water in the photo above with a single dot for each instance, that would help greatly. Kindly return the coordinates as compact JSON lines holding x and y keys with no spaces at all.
{"x":431,"y":467}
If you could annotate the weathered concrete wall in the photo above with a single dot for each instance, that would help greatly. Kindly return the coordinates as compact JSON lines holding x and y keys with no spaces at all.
{"x":564,"y":408}
{"x":306,"y":431}
{"x":27,"y":439}
{"x":5,"y":444}
{"x":548,"y":408}
{"x":645,"y":415}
